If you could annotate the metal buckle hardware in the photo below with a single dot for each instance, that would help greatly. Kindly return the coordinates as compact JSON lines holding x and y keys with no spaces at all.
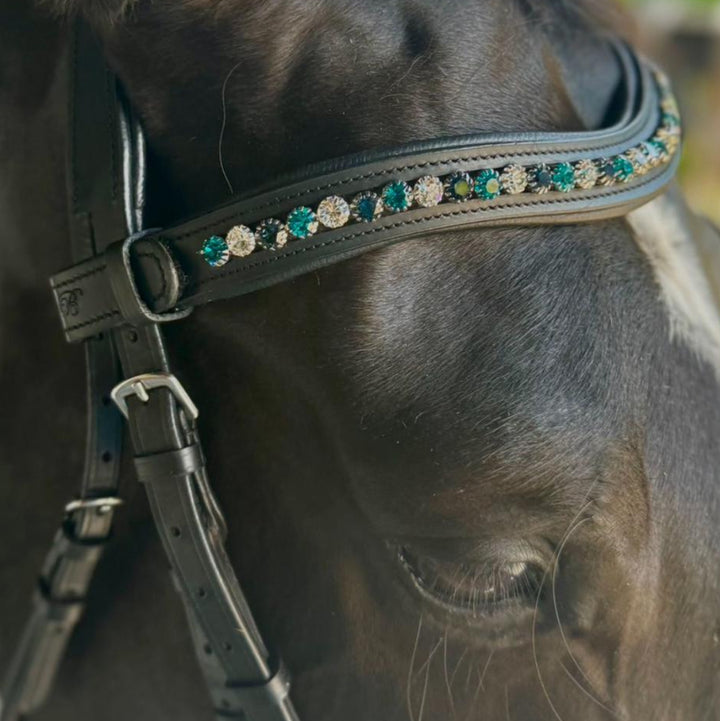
{"x":103,"y":505}
{"x":140,"y":385}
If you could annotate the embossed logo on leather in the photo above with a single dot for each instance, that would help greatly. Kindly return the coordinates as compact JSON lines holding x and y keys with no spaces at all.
{"x":69,"y":301}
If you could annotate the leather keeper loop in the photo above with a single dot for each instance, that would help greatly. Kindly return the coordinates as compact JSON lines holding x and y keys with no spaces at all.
{"x":257,"y":699}
{"x":170,"y":464}
{"x":121,"y":274}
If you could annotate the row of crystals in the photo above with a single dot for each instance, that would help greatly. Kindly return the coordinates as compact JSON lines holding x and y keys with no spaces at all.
{"x":458,"y":187}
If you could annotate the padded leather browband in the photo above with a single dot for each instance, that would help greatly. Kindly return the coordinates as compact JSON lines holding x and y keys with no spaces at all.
{"x":161,"y":274}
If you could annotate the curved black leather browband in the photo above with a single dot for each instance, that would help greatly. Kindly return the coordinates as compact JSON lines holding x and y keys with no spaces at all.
{"x":162,"y":274}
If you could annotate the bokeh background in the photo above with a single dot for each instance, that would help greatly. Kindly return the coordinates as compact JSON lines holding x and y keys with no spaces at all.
{"x":684,"y":37}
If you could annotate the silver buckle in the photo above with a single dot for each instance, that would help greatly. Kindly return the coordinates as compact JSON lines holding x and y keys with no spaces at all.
{"x":103,"y":505}
{"x":140,"y":385}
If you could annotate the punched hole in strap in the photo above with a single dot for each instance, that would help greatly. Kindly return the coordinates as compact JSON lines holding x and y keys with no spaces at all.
{"x":169,"y":464}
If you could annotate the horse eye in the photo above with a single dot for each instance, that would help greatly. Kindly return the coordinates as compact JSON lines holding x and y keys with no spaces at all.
{"x":477,"y":589}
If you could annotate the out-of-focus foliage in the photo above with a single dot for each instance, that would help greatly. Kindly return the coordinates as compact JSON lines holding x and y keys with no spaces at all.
{"x":684,"y":37}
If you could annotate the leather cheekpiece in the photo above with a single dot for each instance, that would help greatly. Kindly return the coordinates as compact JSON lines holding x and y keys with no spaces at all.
{"x":135,"y":281}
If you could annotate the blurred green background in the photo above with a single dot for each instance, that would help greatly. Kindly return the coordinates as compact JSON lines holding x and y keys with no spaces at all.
{"x":684,"y":37}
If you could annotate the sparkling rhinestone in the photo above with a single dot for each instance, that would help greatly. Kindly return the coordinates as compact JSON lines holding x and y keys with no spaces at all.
{"x":514,"y":179}
{"x":640,"y":161}
{"x":662,"y":149}
{"x":302,"y":222}
{"x":428,"y":191}
{"x":586,"y":174}
{"x":458,"y":187}
{"x":670,"y":120}
{"x":271,"y":234}
{"x":333,"y":212}
{"x":365,"y":207}
{"x":397,"y":196}
{"x":215,"y":251}
{"x":669,"y":138}
{"x":487,"y":184}
{"x":607,"y":172}
{"x":540,"y":178}
{"x":622,"y":169}
{"x":652,"y":153}
{"x":563,"y":177}
{"x":670,"y":105}
{"x":662,"y":80}
{"x":240,"y":241}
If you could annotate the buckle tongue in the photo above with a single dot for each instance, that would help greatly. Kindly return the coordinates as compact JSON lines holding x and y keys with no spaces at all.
{"x":139,"y":386}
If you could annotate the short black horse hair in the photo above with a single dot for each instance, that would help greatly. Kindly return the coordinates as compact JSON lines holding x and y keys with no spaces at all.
{"x":603,"y":14}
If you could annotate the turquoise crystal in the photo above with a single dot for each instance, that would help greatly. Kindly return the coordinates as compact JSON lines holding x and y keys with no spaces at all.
{"x":302,"y":222}
{"x":661,"y":148}
{"x":215,"y":251}
{"x":397,"y":196}
{"x":563,"y":177}
{"x":671,"y":120}
{"x":487,"y":185}
{"x":623,"y":169}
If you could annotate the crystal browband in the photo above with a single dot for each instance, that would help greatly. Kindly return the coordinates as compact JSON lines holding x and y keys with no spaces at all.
{"x":345,"y":207}
{"x":428,"y":191}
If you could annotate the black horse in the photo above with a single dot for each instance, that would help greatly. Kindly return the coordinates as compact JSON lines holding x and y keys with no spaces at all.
{"x":524,"y":420}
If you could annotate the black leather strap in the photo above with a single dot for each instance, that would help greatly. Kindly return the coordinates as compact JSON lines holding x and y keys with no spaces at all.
{"x":172,"y":464}
{"x":107,"y":174}
{"x":94,"y":209}
{"x":185,"y":271}
{"x":238,"y":668}
{"x":237,"y":664}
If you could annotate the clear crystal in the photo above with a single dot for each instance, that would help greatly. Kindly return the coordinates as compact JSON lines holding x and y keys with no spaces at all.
{"x":670,"y":138}
{"x":240,"y":241}
{"x":586,"y":174}
{"x":514,"y":179}
{"x":333,"y":212}
{"x":639,"y":161}
{"x":428,"y":191}
{"x":652,"y":153}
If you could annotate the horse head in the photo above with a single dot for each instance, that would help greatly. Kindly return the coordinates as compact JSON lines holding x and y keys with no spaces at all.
{"x":470,"y":475}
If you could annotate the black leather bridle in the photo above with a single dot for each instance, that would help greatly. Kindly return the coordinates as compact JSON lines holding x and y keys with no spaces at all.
{"x":118,"y":294}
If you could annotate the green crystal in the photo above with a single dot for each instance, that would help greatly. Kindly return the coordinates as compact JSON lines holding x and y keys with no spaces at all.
{"x":459,"y":187}
{"x":487,"y":185}
{"x":563,"y":177}
{"x":215,"y":251}
{"x":397,"y":196}
{"x":302,"y":222}
{"x":660,"y":146}
{"x":623,"y":169}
